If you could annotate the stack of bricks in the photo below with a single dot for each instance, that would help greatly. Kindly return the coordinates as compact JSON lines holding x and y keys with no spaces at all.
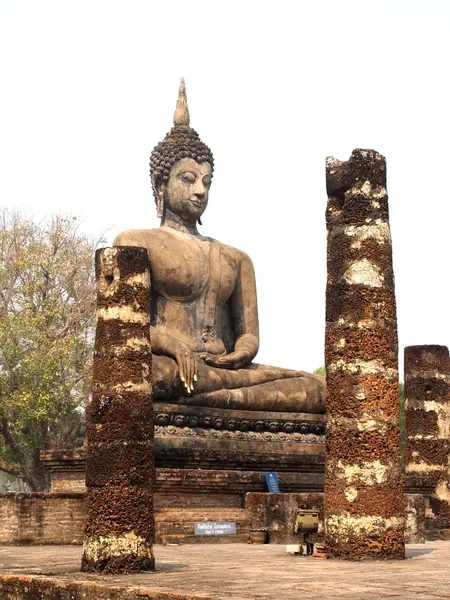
{"x":119,"y":421}
{"x":363,"y":486}
{"x":427,"y":423}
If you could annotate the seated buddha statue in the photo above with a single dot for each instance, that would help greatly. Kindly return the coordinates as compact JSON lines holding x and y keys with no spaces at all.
{"x":204,"y":315}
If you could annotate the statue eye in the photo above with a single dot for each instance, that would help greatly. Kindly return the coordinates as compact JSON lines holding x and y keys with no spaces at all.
{"x":206,"y":180}
{"x":188,"y":177}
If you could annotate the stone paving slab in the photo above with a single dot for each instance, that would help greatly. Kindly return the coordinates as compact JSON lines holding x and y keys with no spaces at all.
{"x":231,"y":572}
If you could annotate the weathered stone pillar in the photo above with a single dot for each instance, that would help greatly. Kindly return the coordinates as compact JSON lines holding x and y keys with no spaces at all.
{"x":363,"y":487}
{"x":427,"y":423}
{"x":119,"y":421}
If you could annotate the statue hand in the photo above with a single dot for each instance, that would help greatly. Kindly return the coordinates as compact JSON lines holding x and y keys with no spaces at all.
{"x":187,"y":365}
{"x":234,"y":360}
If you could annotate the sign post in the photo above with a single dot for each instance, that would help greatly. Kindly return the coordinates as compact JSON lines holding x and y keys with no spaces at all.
{"x":272,"y":482}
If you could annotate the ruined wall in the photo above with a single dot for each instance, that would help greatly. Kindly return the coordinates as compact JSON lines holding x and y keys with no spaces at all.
{"x":119,"y":421}
{"x":363,"y":486}
{"x":276,"y":513}
{"x":40,"y":518}
{"x":427,"y":424}
{"x":43,"y":518}
{"x":68,"y":482}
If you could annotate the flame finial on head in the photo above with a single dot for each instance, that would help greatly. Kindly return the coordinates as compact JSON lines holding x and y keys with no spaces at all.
{"x":181,"y":115}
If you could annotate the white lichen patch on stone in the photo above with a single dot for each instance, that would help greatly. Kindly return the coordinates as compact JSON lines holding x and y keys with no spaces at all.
{"x":139,"y":279}
{"x":145,"y":371}
{"x":365,"y":189}
{"x":363,"y":272}
{"x":109,"y":279}
{"x":378,"y":231}
{"x":442,"y":491}
{"x":123,"y":313}
{"x":135,"y":343}
{"x":361,"y":324}
{"x":332,"y":162}
{"x":129,"y":386}
{"x":443,"y":416}
{"x":366,"y":473}
{"x":370,"y":424}
{"x":423,"y":467}
{"x":346,"y":527}
{"x":351,"y":494}
{"x":113,"y":546}
{"x":368,"y":367}
{"x":340,"y":344}
{"x":427,"y":375}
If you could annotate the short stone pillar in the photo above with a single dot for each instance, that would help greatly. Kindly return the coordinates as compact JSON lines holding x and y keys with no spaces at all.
{"x":427,"y":424}
{"x":364,"y":506}
{"x":119,"y":421}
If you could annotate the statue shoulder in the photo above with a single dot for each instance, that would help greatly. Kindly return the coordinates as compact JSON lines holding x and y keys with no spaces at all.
{"x":238,"y":255}
{"x":142,"y":238}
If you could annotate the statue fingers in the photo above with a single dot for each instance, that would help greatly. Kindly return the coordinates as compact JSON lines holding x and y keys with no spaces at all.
{"x":181,"y":370}
{"x":183,"y":366}
{"x":191,"y":363}
{"x":210,"y":361}
{"x":232,"y":359}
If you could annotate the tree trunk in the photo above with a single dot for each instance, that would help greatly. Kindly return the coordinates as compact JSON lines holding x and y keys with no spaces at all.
{"x":38,"y":476}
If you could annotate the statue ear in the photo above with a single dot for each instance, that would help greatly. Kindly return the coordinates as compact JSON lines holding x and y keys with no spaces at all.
{"x":158,"y":190}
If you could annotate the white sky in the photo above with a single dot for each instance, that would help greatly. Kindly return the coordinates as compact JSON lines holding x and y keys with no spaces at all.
{"x":89,"y":87}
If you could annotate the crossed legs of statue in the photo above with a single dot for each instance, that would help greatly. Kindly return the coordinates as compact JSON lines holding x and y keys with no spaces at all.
{"x":256,"y":387}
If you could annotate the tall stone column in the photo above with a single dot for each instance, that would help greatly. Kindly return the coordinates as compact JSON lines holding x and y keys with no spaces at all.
{"x":363,"y":486}
{"x":119,"y":421}
{"x":427,"y":423}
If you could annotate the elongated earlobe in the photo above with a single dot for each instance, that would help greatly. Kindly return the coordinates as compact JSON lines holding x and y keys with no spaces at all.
{"x":159,"y":194}
{"x":200,"y":221}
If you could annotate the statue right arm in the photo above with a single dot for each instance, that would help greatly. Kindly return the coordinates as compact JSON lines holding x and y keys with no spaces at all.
{"x":163,"y":343}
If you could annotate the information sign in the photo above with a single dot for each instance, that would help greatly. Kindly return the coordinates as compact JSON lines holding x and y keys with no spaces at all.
{"x":215,"y":528}
{"x":272,"y":482}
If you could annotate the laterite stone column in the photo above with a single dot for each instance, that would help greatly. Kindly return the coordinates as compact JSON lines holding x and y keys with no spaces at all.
{"x":363,"y":486}
{"x":119,"y":421}
{"x":427,"y":423}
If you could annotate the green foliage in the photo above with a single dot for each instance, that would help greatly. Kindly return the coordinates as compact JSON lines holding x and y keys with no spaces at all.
{"x":320,"y":371}
{"x":47,"y":303}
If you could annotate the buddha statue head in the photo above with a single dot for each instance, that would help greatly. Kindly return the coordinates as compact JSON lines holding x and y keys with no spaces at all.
{"x":181,"y":167}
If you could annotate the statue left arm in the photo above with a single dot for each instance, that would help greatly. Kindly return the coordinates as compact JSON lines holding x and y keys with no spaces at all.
{"x":244,"y":308}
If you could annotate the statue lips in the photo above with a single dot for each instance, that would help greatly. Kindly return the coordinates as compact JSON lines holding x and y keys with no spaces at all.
{"x":198,"y":203}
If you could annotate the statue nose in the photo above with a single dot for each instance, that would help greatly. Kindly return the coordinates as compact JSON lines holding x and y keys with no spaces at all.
{"x":200,"y":192}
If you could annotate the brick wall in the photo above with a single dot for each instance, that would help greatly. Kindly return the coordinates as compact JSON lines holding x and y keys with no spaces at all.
{"x":40,"y":518}
{"x":68,"y":482}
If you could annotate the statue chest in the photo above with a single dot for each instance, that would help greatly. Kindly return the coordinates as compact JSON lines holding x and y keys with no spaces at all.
{"x":186,"y":272}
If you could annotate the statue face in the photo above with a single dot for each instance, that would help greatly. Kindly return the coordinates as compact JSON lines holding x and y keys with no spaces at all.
{"x":186,"y":191}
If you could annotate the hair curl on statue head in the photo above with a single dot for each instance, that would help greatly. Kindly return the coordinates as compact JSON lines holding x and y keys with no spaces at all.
{"x":181,"y":142}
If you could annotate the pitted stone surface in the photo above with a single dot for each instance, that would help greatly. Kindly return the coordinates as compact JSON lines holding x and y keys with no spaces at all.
{"x":120,"y":526}
{"x":363,"y":486}
{"x":427,"y":422}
